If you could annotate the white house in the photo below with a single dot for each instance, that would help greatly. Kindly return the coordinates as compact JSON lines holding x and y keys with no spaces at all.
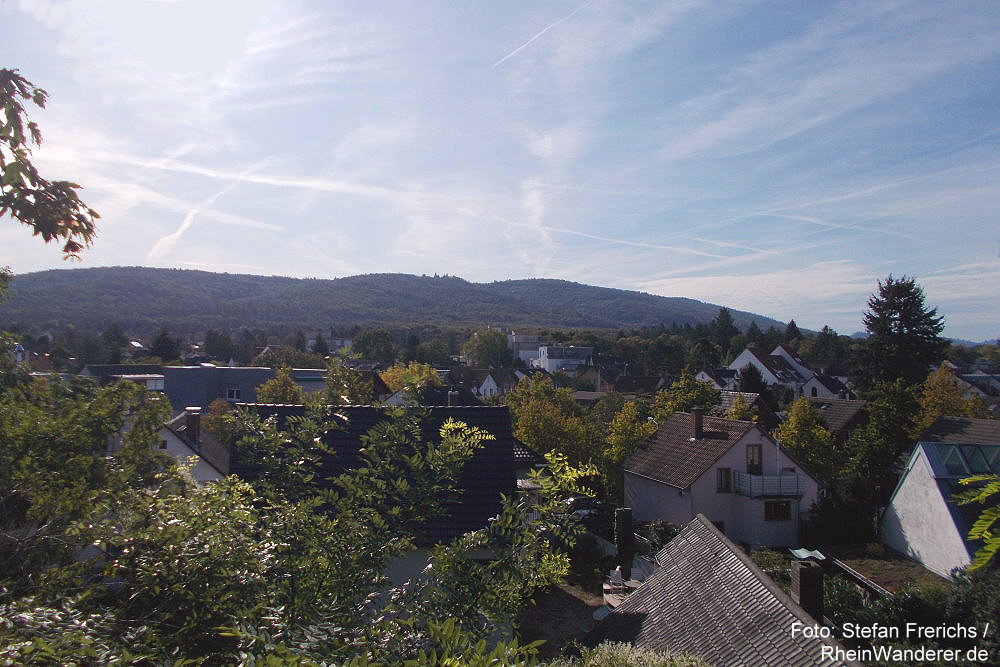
{"x":731,"y":471}
{"x":921,"y":521}
{"x":183,"y":438}
{"x":781,"y":367}
{"x":554,"y":358}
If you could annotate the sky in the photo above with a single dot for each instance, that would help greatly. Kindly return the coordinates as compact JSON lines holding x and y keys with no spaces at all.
{"x":775,"y":157}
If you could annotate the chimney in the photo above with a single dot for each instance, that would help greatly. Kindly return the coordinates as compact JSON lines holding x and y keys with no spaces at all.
{"x":699,"y":422}
{"x":624,"y":541}
{"x":452,"y":398}
{"x":842,"y":393}
{"x":192,"y":424}
{"x":807,"y":587}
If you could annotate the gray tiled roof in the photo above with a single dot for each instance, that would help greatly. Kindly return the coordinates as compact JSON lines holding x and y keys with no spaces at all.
{"x":962,"y":430}
{"x":709,"y":599}
{"x":840,"y":414}
{"x":674,"y":457}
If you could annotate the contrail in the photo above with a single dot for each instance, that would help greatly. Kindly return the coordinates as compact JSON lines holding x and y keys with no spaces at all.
{"x":540,"y":33}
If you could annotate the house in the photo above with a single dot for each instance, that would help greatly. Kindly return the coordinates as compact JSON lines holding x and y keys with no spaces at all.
{"x":725,"y":379}
{"x":731,"y":471}
{"x":105,"y":373}
{"x":490,"y":473}
{"x":922,"y":521}
{"x":826,"y":386}
{"x":554,"y":358}
{"x":766,"y":417}
{"x":602,"y":380}
{"x":842,"y":416}
{"x":188,"y":386}
{"x":183,"y":438}
{"x":781,"y":368}
{"x":523,"y":346}
{"x":709,"y":599}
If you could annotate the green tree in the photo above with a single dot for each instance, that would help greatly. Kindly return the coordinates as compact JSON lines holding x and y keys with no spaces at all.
{"x":413,"y":374}
{"x":547,"y":419}
{"x":792,"y":332}
{"x":374,"y":344}
{"x":281,"y":389}
{"x":345,"y":385}
{"x":942,"y":397}
{"x":723,"y":330}
{"x":805,"y":436}
{"x":684,"y":394}
{"x":51,"y":208}
{"x":751,"y":381}
{"x":320,"y":346}
{"x":165,"y":347}
{"x":985,"y":528}
{"x":877,"y":446}
{"x":626,"y":432}
{"x":487,"y":348}
{"x":299,"y":343}
{"x":904,"y":337}
{"x":114,"y":340}
{"x":219,"y":346}
{"x":433,"y":352}
{"x":742,"y":409}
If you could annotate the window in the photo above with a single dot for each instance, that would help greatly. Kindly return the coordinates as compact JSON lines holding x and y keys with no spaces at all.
{"x":815,"y":393}
{"x":723,"y":480}
{"x":788,"y":471}
{"x":777,"y":510}
{"x":754,"y":466}
{"x":233,"y":393}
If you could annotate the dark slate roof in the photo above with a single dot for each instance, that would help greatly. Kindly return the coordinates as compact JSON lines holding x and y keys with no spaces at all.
{"x":778,"y":365}
{"x":840,"y":414}
{"x":709,"y":599}
{"x":488,"y":474}
{"x":466,"y":376}
{"x":674,"y":457}
{"x":962,"y":430}
{"x":629,"y":384}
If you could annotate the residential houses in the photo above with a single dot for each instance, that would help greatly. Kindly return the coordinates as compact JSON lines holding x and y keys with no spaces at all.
{"x":731,"y":471}
{"x":841,"y":416}
{"x":707,"y":598}
{"x":922,"y":520}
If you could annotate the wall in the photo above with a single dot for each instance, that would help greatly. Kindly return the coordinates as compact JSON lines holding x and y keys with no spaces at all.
{"x":919,"y":525}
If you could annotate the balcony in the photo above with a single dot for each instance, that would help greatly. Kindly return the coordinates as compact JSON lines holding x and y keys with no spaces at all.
{"x":787,"y":485}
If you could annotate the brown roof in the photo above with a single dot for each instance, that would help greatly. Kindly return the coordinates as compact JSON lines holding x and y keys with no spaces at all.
{"x":709,"y":599}
{"x":962,"y":430}
{"x":839,"y":414}
{"x":674,"y":457}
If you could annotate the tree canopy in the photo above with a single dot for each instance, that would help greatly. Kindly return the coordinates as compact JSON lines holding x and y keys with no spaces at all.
{"x":487,"y":348}
{"x":52,"y":209}
{"x":904,"y":336}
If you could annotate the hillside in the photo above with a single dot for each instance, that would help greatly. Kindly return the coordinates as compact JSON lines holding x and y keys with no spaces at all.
{"x":142,"y":300}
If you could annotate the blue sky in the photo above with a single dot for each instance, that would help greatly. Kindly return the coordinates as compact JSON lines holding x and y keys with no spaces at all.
{"x":777,"y":157}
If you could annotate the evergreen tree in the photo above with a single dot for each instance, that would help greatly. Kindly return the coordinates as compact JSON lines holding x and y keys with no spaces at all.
{"x":904,"y":339}
{"x":320,"y":346}
{"x":165,"y":347}
{"x":792,"y":332}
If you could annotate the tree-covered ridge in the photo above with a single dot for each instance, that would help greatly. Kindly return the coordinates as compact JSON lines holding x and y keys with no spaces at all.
{"x":144,"y":299}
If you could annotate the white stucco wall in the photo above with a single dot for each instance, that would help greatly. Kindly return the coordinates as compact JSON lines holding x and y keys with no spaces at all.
{"x":743,"y":517}
{"x":918,"y":525}
{"x":203,"y":471}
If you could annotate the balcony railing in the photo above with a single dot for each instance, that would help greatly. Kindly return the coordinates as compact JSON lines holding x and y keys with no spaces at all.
{"x":789,"y":484}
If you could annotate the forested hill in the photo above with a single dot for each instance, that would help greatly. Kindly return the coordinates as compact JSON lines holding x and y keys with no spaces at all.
{"x":142,"y":300}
